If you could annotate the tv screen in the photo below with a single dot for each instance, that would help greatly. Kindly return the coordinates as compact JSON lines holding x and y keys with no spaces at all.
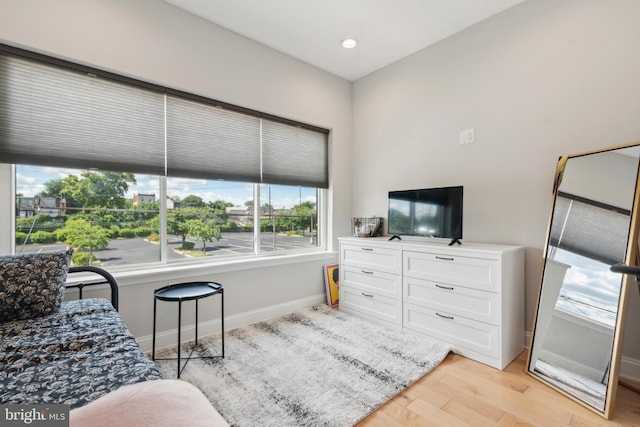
{"x":429,"y":212}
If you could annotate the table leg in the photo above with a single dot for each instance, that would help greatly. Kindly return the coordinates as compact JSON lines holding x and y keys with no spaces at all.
{"x":179,"y":329}
{"x":153,"y":345}
{"x":196,"y":340}
{"x":222,"y":318}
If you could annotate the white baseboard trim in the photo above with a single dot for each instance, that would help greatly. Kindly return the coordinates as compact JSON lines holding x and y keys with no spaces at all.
{"x":630,"y":369}
{"x":166,"y":339}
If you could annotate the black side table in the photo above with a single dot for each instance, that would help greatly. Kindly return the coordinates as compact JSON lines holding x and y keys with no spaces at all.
{"x":192,"y":291}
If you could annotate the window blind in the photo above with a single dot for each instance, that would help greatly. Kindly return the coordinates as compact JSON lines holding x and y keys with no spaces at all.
{"x":210,"y":142}
{"x":59,"y":117}
{"x":590,"y":229}
{"x":61,"y":114}
{"x":293,"y":155}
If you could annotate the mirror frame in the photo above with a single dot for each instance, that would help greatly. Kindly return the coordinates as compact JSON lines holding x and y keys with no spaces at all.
{"x":627,"y":280}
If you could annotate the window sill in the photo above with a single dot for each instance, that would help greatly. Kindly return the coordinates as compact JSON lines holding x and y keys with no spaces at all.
{"x":185,"y":271}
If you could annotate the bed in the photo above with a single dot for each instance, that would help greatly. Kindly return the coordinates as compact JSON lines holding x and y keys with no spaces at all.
{"x":56,"y":351}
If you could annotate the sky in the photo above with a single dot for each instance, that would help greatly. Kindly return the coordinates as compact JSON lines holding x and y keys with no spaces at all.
{"x":30,"y":181}
{"x":593,"y":288}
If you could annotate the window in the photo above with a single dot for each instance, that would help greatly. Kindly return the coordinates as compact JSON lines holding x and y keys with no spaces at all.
{"x":288,"y":217}
{"x":129,"y":172}
{"x":113,"y":218}
{"x":590,"y":236}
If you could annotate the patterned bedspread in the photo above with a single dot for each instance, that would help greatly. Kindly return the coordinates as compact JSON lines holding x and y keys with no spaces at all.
{"x":72,"y":357}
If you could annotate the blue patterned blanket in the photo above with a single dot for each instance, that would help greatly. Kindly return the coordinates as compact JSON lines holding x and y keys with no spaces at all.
{"x":71,"y":357}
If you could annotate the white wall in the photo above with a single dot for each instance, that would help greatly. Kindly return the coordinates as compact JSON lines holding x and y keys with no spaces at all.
{"x":540,"y":80}
{"x":154,"y":41}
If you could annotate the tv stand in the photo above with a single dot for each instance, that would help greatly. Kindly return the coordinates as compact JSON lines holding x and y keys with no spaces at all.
{"x":455,"y":241}
{"x":395,"y":236}
{"x":470,"y":297}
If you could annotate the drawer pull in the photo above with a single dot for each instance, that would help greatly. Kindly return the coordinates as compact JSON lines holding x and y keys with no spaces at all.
{"x":367,"y":249}
{"x":366,"y":295}
{"x":367,"y":272}
{"x":443,"y":316}
{"x":444,"y":258}
{"x":449,"y":288}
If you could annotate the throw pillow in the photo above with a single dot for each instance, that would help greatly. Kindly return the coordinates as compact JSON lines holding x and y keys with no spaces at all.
{"x":32,"y":285}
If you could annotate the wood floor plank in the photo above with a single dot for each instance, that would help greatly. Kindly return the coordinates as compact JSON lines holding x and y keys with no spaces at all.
{"x":478,"y":395}
{"x":510,"y":420}
{"x":434,"y":397}
{"x":469,"y":416}
{"x":434,"y":415}
{"x":508,"y":400}
{"x":481,"y":407}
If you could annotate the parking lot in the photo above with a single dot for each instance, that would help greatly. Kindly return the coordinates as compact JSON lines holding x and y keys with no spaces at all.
{"x":138,"y":250}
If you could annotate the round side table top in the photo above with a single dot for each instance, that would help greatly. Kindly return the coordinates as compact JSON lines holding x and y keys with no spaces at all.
{"x":187,"y":291}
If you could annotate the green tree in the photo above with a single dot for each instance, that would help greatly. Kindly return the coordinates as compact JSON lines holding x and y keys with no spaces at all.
{"x":102,"y":189}
{"x":306,"y":214}
{"x":177,"y":221}
{"x":93,"y":189}
{"x":193,"y":201}
{"x":204,"y":231}
{"x":53,"y":188}
{"x":84,"y":236}
{"x":219,"y":206}
{"x":59,"y":187}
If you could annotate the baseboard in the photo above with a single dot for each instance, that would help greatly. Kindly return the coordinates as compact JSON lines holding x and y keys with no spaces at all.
{"x":630,"y":369}
{"x":166,"y":339}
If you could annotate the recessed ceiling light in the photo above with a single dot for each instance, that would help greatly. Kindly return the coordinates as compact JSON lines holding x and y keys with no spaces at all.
{"x":349,"y":43}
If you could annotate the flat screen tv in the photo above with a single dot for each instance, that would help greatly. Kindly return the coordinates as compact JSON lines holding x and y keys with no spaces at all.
{"x":429,"y":212}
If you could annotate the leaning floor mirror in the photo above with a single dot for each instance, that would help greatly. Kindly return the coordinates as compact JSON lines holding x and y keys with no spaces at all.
{"x":577,"y":334}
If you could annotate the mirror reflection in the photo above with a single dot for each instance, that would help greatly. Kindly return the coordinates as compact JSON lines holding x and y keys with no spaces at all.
{"x":573,"y":343}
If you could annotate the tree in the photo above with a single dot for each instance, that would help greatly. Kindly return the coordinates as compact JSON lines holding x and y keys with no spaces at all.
{"x":57,"y":187}
{"x":101,"y":189}
{"x":177,"y":221}
{"x":193,"y":201}
{"x":204,"y":231}
{"x":306,"y":214}
{"x":53,"y":188}
{"x":82,"y":235}
{"x":220,"y":206}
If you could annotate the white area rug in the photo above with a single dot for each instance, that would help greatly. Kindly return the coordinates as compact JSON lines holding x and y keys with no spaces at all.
{"x":315,"y":367}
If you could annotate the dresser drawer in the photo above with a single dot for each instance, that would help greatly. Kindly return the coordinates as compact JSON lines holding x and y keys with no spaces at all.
{"x":379,"y":306}
{"x":468,"y":302}
{"x":371,"y":257}
{"x":477,"y":273}
{"x":371,"y":281}
{"x":461,"y":332}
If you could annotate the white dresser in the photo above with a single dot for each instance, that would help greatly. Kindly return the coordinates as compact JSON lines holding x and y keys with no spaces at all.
{"x":470,"y":296}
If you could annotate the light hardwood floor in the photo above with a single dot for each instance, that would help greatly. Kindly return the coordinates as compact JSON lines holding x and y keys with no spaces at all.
{"x":461,"y":392}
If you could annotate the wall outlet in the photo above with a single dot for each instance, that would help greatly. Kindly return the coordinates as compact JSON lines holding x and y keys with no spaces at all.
{"x":467,"y":136}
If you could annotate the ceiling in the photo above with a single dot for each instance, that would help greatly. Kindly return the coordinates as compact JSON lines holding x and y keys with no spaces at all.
{"x":311,"y":30}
